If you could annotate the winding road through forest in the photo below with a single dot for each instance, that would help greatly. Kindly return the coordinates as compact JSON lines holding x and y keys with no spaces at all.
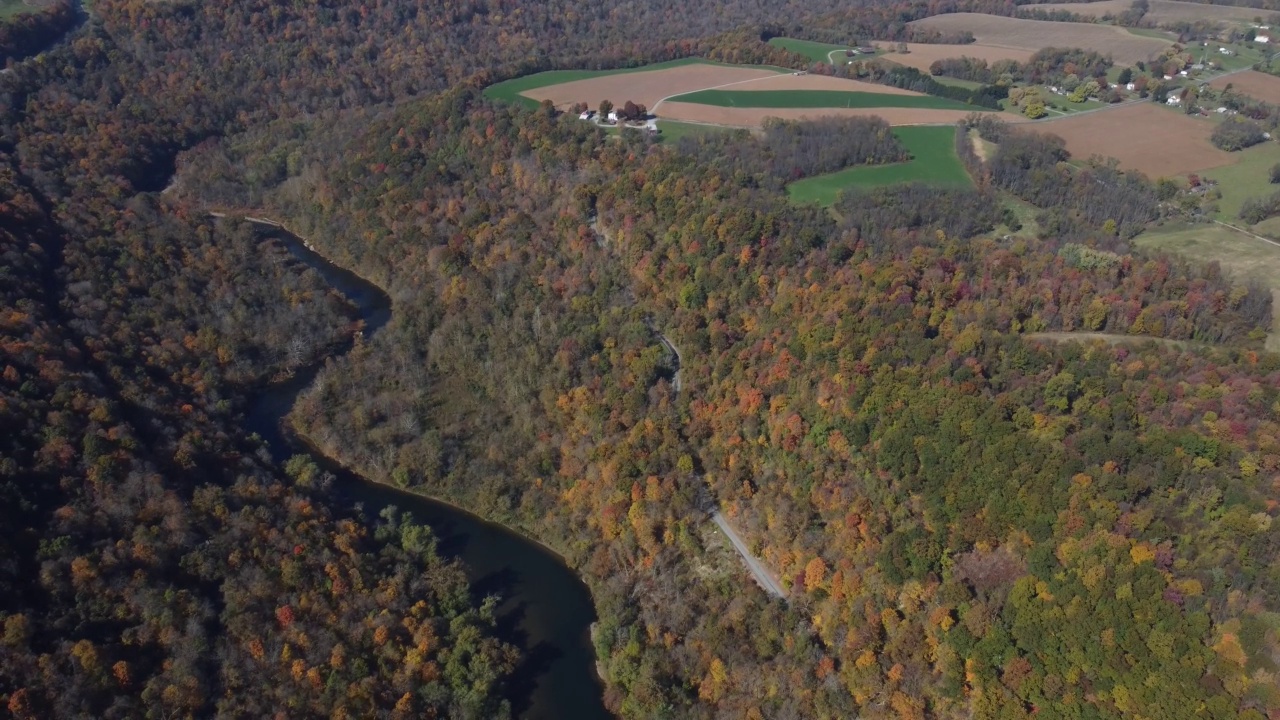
{"x":757,"y":568}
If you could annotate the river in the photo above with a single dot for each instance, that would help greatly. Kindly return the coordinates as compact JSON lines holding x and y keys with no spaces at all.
{"x":546,"y":609}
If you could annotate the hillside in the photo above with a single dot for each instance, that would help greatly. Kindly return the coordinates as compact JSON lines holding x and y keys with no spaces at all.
{"x":965,"y":520}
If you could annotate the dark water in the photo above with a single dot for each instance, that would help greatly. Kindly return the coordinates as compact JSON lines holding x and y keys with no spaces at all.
{"x":546,"y":611}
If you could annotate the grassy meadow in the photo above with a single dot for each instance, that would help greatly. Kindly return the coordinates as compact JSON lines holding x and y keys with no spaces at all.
{"x":815,"y":51}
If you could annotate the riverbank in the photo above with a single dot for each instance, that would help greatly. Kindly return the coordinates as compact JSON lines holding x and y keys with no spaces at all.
{"x":545,"y":607}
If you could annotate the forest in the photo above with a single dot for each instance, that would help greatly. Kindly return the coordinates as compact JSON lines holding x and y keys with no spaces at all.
{"x":971,"y":517}
{"x":789,"y":150}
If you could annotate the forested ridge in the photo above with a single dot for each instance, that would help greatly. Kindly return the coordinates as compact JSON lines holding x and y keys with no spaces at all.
{"x":856,"y":396}
{"x":969,"y":522}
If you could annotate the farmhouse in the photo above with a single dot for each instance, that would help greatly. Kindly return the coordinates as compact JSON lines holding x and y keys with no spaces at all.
{"x":586,"y":114}
{"x":1173,"y":100}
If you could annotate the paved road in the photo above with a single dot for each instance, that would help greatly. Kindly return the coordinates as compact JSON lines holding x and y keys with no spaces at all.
{"x":676,"y":385}
{"x":758,"y":570}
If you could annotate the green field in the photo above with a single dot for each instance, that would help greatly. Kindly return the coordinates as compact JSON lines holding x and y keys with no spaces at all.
{"x":817,"y":99}
{"x":1241,"y":256}
{"x":933,"y":161}
{"x":957,"y":82}
{"x":13,"y":8}
{"x":1246,"y":178}
{"x":509,"y":90}
{"x":815,"y":51}
{"x":671,"y":131}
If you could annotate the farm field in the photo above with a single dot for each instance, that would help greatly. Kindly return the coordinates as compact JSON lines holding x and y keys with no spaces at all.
{"x":731,"y":95}
{"x":1244,"y":178}
{"x":812,"y":99}
{"x":790,"y":81}
{"x":1242,"y":256}
{"x":645,"y":85}
{"x":1143,"y":137}
{"x":1258,"y":85}
{"x":672,"y":131}
{"x":933,"y":161}
{"x":815,"y":51}
{"x":754,"y":117}
{"x":922,"y":55}
{"x":1032,"y":35}
{"x":1161,"y":12}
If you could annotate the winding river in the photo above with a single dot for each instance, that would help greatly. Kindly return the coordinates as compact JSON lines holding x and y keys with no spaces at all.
{"x":546,"y":609}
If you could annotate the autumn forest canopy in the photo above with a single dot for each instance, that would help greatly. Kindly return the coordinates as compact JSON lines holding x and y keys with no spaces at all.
{"x":1004,"y":463}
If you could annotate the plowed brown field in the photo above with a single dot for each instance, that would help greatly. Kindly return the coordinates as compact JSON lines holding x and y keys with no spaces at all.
{"x":1161,"y":12}
{"x":1255,"y":84}
{"x":1124,"y":47}
{"x":754,"y":117}
{"x":647,"y":88}
{"x":1143,"y":137}
{"x":922,"y":55}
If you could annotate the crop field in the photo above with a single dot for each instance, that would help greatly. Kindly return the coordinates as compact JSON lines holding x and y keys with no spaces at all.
{"x":1143,"y":137}
{"x":754,"y":117}
{"x":790,"y":81}
{"x":815,"y":51}
{"x":1258,"y":85}
{"x":933,"y":161}
{"x":1242,"y":256}
{"x":1161,"y":12}
{"x":810,"y":99}
{"x":645,"y":85}
{"x":705,"y":93}
{"x":921,"y":55}
{"x":1032,"y":35}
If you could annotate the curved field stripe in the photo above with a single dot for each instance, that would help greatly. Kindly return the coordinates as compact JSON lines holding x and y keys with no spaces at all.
{"x":817,"y":99}
{"x":509,"y":90}
{"x":933,"y":162}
